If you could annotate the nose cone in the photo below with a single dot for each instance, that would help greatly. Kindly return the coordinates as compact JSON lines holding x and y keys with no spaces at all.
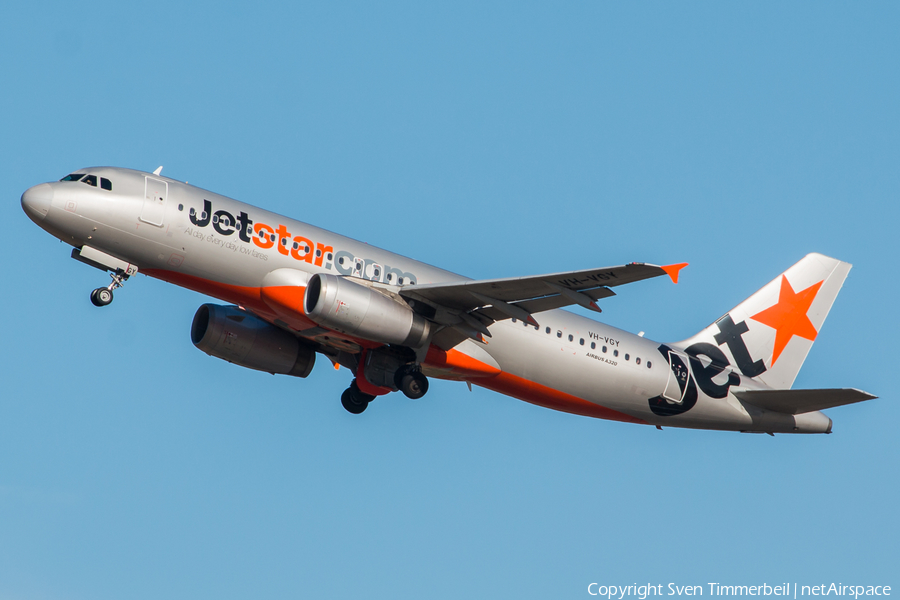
{"x":36,"y":201}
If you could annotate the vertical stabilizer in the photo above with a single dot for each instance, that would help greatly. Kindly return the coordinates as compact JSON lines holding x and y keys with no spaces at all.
{"x":768,"y":336}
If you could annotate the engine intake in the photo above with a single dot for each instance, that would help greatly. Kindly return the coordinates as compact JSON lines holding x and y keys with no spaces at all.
{"x":232,"y":334}
{"x":347,"y":307}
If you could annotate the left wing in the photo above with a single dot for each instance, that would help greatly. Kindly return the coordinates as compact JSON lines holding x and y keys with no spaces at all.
{"x":471,"y":306}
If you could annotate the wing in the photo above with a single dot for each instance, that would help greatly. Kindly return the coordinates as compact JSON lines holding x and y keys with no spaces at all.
{"x":470,"y":307}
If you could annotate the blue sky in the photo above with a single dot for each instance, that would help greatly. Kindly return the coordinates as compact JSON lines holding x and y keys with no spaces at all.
{"x":493,"y":140}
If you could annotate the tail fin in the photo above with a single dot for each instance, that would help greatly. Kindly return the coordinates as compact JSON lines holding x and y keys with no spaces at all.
{"x":768,"y":336}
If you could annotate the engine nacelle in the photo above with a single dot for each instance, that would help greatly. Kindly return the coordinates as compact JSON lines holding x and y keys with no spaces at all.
{"x":347,"y":307}
{"x":232,"y":334}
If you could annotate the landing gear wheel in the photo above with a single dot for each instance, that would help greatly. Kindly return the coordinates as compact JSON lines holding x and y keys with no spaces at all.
{"x":354,"y":400}
{"x":101,"y":296}
{"x":414,"y":385}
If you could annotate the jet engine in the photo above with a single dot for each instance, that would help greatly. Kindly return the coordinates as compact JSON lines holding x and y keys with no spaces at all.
{"x":347,"y":307}
{"x":232,"y":334}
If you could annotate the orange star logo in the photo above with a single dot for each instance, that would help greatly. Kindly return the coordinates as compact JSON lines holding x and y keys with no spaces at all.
{"x":788,"y":317}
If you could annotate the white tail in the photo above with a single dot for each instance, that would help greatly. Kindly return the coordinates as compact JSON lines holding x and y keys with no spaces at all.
{"x":768,"y":336}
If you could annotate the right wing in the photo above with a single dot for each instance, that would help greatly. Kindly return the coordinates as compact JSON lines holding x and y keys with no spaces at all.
{"x":471,"y":306}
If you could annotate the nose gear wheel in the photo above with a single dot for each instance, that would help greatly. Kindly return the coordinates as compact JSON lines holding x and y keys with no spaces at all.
{"x":104,"y":295}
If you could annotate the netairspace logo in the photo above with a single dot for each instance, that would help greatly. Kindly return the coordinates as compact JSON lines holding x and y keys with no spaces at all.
{"x":642,"y":592}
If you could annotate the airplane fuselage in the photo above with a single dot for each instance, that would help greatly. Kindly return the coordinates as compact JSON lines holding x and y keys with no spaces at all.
{"x":229,"y":250}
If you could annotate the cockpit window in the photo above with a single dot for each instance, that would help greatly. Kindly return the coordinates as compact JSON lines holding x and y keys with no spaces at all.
{"x":105,"y":183}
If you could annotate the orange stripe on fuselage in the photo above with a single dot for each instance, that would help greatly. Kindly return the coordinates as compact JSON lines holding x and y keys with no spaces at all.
{"x":248,"y":297}
{"x":482,"y":374}
{"x":287,"y":301}
{"x":535,"y":393}
{"x":459,"y":363}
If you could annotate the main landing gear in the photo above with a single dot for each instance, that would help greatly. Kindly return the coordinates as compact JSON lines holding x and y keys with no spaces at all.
{"x":354,"y":400}
{"x":412,"y":383}
{"x":409,"y":380}
{"x":104,"y":295}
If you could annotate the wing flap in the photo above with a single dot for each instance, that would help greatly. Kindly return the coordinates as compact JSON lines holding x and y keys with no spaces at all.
{"x":537,"y":305}
{"x":795,"y":402}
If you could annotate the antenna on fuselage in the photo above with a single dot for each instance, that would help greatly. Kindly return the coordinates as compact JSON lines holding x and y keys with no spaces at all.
{"x":158,"y":170}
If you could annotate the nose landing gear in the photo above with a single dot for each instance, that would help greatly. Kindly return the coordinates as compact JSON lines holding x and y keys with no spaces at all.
{"x":101,"y":297}
{"x":104,"y":295}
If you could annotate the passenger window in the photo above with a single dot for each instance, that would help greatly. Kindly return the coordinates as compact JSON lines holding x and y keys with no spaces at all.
{"x":559,"y":334}
{"x":571,"y":338}
{"x":581,"y":341}
{"x":604,"y":349}
{"x":627,"y":357}
{"x":90,"y":180}
{"x":73,"y":177}
{"x":637,"y":360}
{"x":106,"y":184}
{"x":548,"y":330}
{"x":593,"y":345}
{"x":513,"y":319}
{"x":180,"y":207}
{"x":615,"y":352}
{"x":649,"y":364}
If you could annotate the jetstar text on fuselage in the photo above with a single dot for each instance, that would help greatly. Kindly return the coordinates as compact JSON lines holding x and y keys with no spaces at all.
{"x":297,"y":247}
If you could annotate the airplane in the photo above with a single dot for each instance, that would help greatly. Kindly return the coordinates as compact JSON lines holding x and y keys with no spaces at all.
{"x":294,"y":291}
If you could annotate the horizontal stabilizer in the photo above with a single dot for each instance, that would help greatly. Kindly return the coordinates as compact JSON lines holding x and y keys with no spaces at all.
{"x":795,"y":402}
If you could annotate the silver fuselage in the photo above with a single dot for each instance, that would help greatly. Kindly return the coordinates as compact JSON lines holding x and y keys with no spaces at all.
{"x":147,"y":220}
